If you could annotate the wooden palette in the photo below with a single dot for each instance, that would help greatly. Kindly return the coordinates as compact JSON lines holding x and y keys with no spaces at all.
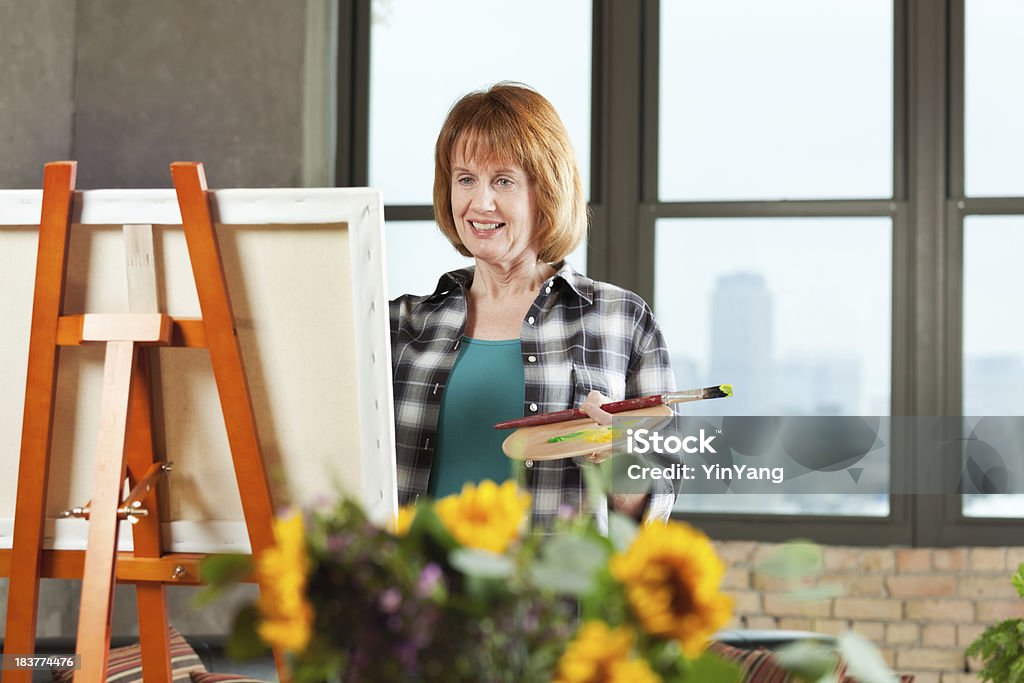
{"x":534,"y":443}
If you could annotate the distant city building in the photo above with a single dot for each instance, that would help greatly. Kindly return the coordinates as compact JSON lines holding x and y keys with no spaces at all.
{"x":823,"y":385}
{"x":742,"y":342}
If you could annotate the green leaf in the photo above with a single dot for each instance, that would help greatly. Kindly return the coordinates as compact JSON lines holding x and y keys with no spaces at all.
{"x":578,"y":553}
{"x":244,"y":642}
{"x":426,"y":523}
{"x":794,"y":560}
{"x":217,"y":573}
{"x":224,"y":569}
{"x":711,"y":669}
{"x":808,"y":659}
{"x":597,"y":487}
{"x":822,"y":592}
{"x":476,"y":562}
{"x":863,"y":660}
{"x":561,"y":580}
{"x":618,"y":469}
{"x":568,"y":564}
{"x":1018,"y":580}
{"x":621,"y":530}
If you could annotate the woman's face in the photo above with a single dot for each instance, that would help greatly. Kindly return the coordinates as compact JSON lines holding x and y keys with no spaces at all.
{"x":493,"y":209}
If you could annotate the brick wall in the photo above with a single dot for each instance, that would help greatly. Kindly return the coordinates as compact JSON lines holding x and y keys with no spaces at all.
{"x":921,"y":606}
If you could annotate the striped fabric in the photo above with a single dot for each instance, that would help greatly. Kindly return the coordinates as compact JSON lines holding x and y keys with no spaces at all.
{"x":759,"y":665}
{"x":124,"y":664}
{"x":579,"y":335}
{"x":211,"y":677}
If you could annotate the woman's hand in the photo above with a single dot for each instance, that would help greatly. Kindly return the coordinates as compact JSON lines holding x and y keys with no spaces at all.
{"x":592,"y":407}
{"x":631,"y":504}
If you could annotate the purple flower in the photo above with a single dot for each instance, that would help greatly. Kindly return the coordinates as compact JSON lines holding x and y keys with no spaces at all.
{"x":390,"y":600}
{"x":429,"y":580}
{"x":336,"y":543}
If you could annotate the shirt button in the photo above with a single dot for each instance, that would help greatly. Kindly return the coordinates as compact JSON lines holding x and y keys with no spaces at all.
{"x":530,"y":319}
{"x":548,"y":290}
{"x":533,"y":407}
{"x":529,"y":463}
{"x":532,"y":359}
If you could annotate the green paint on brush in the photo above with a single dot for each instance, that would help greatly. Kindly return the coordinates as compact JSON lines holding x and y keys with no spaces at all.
{"x":726,"y":389}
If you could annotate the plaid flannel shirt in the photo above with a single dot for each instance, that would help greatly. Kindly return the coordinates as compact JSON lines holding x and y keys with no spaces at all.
{"x":578,"y":335}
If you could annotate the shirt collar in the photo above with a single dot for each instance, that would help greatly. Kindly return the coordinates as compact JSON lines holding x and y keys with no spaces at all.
{"x":579,"y":284}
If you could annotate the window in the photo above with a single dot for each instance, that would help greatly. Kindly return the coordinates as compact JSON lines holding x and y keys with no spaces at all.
{"x":991,"y":218}
{"x":779,"y":100}
{"x":426,"y":55}
{"x":839,"y":181}
{"x":993,"y":107}
{"x":794,"y":310}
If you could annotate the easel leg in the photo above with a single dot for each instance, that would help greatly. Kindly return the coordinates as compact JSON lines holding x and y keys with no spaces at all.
{"x":37,"y":426}
{"x":226,"y":359}
{"x":93,"y":640}
{"x":150,"y":597}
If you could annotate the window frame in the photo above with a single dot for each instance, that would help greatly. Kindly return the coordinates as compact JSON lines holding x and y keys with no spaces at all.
{"x":926,"y":209}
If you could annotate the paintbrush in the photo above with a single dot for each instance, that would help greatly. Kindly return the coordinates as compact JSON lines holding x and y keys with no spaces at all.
{"x":717,"y":391}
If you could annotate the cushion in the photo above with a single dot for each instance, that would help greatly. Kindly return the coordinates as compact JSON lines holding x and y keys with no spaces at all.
{"x":124,"y":664}
{"x":758,"y":664}
{"x":211,"y":677}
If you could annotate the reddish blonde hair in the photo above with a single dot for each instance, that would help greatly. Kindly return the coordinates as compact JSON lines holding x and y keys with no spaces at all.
{"x":510,"y":123}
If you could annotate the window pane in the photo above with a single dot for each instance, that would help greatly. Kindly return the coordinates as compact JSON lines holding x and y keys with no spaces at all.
{"x":795,"y":313}
{"x":425,"y":55}
{"x":993,"y":379}
{"x":993,"y":106}
{"x":418,"y":254}
{"x":775,"y":100}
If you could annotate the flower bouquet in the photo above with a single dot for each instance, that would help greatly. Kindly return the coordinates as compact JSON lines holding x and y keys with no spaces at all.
{"x":457,"y":592}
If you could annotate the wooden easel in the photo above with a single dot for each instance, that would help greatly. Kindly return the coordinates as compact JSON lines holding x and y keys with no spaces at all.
{"x":125,"y":441}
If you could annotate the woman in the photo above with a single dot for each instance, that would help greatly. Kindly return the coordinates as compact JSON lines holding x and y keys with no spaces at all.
{"x":520,"y":332}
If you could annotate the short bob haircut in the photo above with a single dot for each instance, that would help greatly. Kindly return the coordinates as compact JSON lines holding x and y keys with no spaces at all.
{"x":511,"y":123}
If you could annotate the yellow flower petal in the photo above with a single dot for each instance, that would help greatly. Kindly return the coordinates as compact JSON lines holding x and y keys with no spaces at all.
{"x":488,"y":516}
{"x":671,"y":575}
{"x":403,"y":520}
{"x":600,"y":654}
{"x":286,"y":616}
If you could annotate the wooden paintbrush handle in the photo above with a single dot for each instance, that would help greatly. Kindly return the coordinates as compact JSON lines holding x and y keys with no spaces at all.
{"x":577,"y":413}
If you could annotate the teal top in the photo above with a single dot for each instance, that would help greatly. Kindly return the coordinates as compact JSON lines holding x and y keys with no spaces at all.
{"x":486,"y":386}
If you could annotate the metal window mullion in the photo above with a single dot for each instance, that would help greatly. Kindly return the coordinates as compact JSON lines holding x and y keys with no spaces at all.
{"x":598,"y":238}
{"x":998,"y":206}
{"x":621,"y":39}
{"x":419,"y":212}
{"x":956,"y":99}
{"x":900,"y":100}
{"x":930,"y":363}
{"x":645,"y":215}
{"x":353,"y":97}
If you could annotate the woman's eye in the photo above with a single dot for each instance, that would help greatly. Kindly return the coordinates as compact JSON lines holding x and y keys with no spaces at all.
{"x":505,"y":182}
{"x":464,"y":181}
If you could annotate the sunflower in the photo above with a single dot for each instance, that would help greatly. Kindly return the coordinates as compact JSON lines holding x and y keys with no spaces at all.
{"x":287,"y":618}
{"x":602,"y":655}
{"x":488,"y":516}
{"x":671,"y":575}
